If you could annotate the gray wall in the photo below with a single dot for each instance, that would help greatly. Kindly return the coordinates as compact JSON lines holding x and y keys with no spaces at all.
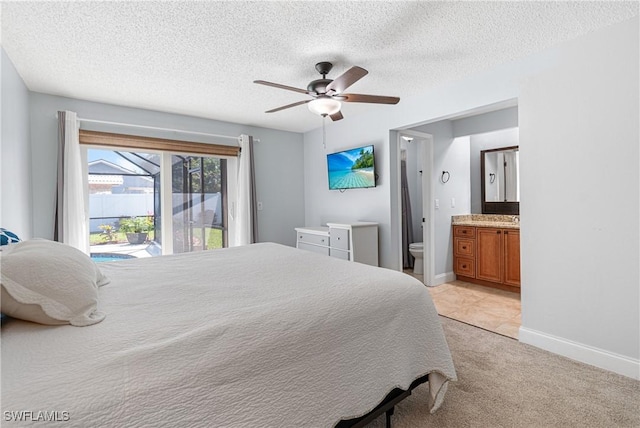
{"x":579,"y":127}
{"x":449,"y":154}
{"x":593,"y":316}
{"x":481,"y":127}
{"x":278,"y":158}
{"x":486,"y":122}
{"x":16,"y":210}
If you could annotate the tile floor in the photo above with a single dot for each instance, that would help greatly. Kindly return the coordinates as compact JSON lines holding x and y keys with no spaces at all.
{"x":485,"y":307}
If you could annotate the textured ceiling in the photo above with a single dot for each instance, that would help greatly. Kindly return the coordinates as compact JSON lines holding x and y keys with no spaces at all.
{"x":200,"y":58}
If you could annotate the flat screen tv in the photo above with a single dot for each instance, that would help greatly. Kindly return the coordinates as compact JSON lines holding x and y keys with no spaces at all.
{"x":352,"y":169}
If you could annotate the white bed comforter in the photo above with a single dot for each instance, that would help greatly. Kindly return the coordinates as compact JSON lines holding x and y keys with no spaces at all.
{"x":257,"y":336}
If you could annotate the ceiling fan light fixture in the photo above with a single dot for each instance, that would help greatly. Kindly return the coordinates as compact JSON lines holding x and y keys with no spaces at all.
{"x":324,"y":106}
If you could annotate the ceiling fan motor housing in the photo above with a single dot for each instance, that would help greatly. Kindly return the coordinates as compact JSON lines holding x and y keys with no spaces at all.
{"x":319,"y":86}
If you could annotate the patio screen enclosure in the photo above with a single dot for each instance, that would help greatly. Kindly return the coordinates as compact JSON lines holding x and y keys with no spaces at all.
{"x":127,"y":184}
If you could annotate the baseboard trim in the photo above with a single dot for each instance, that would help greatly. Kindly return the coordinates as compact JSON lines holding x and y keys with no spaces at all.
{"x":585,"y":354}
{"x":443,"y":277}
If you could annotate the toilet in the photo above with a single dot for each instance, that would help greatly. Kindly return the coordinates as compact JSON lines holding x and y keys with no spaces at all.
{"x":416,"y":251}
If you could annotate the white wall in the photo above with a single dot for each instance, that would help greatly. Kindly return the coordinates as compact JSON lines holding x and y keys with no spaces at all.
{"x":486,"y":141}
{"x":579,"y":159}
{"x":15,"y":181}
{"x":569,"y":107}
{"x":278,"y":159}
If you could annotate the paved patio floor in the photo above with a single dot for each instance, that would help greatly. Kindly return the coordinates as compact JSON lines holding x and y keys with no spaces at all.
{"x":140,"y":250}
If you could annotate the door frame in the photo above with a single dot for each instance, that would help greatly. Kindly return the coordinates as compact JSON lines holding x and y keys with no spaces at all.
{"x":428,"y":210}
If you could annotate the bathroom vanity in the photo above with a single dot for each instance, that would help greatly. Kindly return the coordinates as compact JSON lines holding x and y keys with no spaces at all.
{"x":486,"y":250}
{"x":357,"y":242}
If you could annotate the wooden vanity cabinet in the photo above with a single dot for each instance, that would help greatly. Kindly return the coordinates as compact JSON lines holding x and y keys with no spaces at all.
{"x":495,"y":256}
{"x":464,"y":251}
{"x":511,"y":241}
{"x":490,"y":254}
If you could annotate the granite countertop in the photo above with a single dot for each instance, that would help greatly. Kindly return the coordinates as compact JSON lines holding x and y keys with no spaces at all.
{"x":487,"y":220}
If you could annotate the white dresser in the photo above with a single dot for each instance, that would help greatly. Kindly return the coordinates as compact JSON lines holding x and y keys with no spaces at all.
{"x":357,"y":242}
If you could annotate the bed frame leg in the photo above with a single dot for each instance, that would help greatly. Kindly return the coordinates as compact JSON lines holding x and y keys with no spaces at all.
{"x":389,"y":413}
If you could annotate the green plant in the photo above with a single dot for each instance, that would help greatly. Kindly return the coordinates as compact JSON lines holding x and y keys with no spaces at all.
{"x":136,"y":225}
{"x":107,"y":232}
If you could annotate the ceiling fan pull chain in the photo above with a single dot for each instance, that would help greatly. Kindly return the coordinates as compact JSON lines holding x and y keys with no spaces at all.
{"x":324,"y":132}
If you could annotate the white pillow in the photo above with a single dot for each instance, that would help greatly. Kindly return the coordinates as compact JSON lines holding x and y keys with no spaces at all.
{"x":50,"y":283}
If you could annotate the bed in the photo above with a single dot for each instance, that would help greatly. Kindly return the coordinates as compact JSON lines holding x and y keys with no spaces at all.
{"x":257,"y":336}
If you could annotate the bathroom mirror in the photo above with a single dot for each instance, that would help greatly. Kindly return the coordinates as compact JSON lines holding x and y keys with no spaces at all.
{"x":500,"y":185}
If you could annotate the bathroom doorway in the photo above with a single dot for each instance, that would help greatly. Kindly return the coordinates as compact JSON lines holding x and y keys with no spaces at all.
{"x":415,"y":163}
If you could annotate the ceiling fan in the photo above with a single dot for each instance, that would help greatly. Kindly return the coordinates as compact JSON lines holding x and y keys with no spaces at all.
{"x":327,"y":94}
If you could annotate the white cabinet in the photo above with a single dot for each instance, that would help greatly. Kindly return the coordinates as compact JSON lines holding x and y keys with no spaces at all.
{"x":314,"y":239}
{"x":357,"y":242}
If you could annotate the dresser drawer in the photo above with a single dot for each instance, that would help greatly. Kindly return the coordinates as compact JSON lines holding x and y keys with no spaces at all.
{"x":344,"y":255}
{"x":464,"y":247}
{"x":464,"y":267}
{"x":312,"y":238}
{"x":464,"y":231}
{"x":314,"y":248}
{"x":339,"y":238}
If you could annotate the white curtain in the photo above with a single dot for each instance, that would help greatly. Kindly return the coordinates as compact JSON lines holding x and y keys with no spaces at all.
{"x":245,"y":213}
{"x":71,"y":209}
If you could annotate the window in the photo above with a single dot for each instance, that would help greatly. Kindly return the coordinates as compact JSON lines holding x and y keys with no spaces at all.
{"x":137,"y":198}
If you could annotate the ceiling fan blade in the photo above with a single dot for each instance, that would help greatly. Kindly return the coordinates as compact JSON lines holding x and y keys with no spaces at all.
{"x":336,"y":116}
{"x":277,"y":85}
{"x":346,"y":79}
{"x":288,"y":106}
{"x":375,"y":99}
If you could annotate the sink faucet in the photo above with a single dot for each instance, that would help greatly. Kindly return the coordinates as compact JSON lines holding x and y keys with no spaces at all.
{"x":515,"y":219}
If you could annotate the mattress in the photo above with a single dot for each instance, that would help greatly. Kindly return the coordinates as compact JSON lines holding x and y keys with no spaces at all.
{"x":260,"y":335}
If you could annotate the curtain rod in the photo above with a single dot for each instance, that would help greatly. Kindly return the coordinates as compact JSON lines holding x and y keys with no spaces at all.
{"x":106,"y":122}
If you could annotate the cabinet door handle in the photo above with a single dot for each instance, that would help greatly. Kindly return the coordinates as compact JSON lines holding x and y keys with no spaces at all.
{"x":464,"y":231}
{"x":464,"y":248}
{"x":464,"y":266}
{"x":506,"y":232}
{"x":498,"y":232}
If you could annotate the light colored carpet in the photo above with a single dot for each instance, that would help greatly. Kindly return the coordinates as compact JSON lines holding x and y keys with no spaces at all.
{"x":503,"y":383}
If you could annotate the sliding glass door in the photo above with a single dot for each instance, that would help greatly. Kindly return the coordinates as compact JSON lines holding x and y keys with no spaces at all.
{"x":127,"y":200}
{"x":197,"y":196}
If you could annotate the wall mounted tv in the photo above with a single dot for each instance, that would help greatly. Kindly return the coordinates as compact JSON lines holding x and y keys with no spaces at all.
{"x":352,"y":169}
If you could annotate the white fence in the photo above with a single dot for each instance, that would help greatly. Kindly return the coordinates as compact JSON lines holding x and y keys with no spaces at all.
{"x":107,"y":208}
{"x":116,"y":206}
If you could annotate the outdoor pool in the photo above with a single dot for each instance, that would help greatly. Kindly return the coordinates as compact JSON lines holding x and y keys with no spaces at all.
{"x":109,"y":257}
